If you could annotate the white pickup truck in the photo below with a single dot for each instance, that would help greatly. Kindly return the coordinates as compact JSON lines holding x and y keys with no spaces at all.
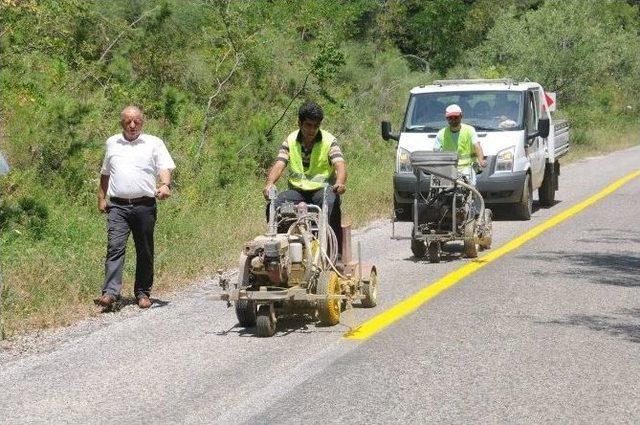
{"x":515,"y":126}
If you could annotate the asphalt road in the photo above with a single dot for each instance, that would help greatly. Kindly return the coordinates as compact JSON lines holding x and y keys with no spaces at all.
{"x":548,"y":333}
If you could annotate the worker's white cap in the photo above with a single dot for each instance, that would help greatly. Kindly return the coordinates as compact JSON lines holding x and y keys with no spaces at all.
{"x":453,"y":110}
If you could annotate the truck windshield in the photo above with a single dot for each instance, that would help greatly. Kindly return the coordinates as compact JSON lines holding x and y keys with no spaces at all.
{"x":485,"y":110}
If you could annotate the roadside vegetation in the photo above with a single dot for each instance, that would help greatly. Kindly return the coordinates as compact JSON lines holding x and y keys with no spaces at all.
{"x":220,"y":81}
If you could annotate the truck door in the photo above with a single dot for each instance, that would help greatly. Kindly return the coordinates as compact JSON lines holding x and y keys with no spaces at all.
{"x":534,"y":144}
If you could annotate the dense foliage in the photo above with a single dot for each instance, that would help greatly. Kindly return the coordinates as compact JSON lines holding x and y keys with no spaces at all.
{"x":220,"y":81}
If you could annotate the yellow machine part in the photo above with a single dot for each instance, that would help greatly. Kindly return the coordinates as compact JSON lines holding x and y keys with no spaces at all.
{"x":329,"y":309}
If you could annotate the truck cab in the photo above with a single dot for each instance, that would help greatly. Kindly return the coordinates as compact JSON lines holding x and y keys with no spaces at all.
{"x":514,"y":126}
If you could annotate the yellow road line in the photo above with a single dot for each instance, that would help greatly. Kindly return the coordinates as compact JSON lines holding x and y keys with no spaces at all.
{"x":409,"y":305}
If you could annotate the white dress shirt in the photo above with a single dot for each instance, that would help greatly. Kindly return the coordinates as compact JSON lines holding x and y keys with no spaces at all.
{"x":133,"y":166}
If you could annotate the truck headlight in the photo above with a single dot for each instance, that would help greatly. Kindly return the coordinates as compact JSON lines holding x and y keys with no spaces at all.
{"x":504,"y":160}
{"x":404,"y":161}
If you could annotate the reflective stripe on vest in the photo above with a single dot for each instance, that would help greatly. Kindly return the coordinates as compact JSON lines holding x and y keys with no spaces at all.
{"x":320,"y":170}
{"x":464,"y":147}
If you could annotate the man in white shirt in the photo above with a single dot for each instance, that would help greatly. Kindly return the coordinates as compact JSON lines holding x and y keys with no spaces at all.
{"x":135,"y":172}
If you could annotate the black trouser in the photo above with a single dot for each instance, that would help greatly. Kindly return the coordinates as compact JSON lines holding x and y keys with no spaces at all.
{"x":125,"y":218}
{"x":315,"y":198}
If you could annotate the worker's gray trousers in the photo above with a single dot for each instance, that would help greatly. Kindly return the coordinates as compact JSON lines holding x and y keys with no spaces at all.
{"x":139,"y":219}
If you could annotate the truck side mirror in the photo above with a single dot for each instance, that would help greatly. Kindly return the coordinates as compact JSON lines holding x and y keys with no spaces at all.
{"x":543,"y":128}
{"x":385,"y":127}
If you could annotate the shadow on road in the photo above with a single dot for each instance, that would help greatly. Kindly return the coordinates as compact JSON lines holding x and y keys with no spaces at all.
{"x":505,"y":212}
{"x":617,"y":325}
{"x":287,"y":325}
{"x":614,"y":267}
{"x":451,"y":251}
{"x":611,"y":236}
{"x":127,"y":301}
{"x":605,"y":268}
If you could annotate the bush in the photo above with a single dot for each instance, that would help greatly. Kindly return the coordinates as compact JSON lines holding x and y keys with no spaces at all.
{"x":568,"y":46}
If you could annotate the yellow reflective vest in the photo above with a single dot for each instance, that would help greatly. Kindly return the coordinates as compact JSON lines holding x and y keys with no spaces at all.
{"x":320,"y":170}
{"x":464,"y":147}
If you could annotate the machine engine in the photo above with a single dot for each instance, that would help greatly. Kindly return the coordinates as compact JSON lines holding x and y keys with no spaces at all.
{"x":435,"y":214}
{"x":284,"y":259}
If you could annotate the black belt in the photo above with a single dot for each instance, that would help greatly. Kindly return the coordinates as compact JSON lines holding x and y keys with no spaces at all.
{"x":131,"y":201}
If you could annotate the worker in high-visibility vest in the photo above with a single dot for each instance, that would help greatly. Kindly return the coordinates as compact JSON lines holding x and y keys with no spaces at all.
{"x":314,"y":160}
{"x":460,"y":138}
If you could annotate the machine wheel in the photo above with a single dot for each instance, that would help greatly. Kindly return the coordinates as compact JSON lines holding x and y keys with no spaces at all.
{"x":434,"y":252}
{"x":470,"y":248}
{"x":524,"y":208}
{"x":487,"y":238}
{"x":547,"y":192}
{"x":246,"y":313}
{"x":265,"y":322}
{"x":370,"y":290}
{"x":328,"y":309}
{"x":418,"y":247}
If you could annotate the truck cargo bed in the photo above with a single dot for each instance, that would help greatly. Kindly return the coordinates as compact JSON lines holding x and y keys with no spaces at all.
{"x":561,"y":138}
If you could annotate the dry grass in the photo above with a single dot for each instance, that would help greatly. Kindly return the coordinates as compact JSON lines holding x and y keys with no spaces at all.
{"x":601,"y":142}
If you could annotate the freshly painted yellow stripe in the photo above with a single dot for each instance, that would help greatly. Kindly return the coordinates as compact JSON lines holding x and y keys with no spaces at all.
{"x":409,"y":305}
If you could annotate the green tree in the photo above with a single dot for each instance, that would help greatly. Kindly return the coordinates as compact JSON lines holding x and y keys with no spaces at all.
{"x":569,"y":46}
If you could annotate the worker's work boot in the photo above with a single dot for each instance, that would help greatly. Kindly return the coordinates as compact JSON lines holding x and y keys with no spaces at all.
{"x":144,"y":301}
{"x":106,"y":300}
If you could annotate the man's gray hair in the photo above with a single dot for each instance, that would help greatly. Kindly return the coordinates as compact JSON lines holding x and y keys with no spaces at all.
{"x":131,"y":108}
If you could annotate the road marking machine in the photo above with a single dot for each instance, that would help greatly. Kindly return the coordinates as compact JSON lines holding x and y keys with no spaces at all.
{"x":451,"y":209}
{"x":293,"y":269}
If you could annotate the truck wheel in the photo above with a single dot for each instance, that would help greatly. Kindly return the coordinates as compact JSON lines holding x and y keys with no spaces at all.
{"x":419,"y":248}
{"x":470,"y":248}
{"x":370,"y":290}
{"x":265,"y":322}
{"x":328,"y":309}
{"x":433,"y":252}
{"x":524,"y":208}
{"x":246,"y":313}
{"x":547,"y":192}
